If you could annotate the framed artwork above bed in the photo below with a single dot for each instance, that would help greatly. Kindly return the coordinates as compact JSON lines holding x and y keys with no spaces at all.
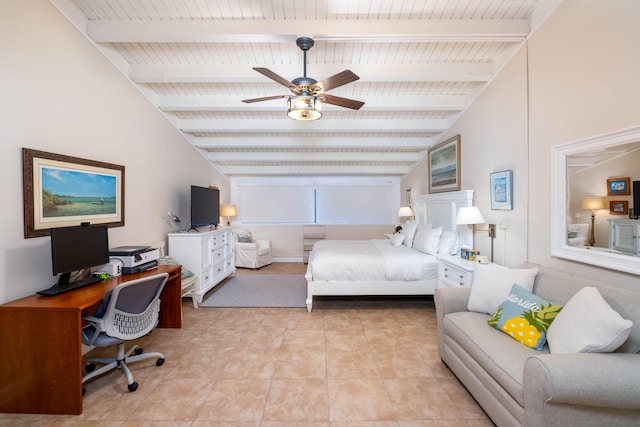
{"x":444,"y":166}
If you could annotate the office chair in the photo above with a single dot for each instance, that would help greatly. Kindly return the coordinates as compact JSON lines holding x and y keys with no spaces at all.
{"x":128,"y":311}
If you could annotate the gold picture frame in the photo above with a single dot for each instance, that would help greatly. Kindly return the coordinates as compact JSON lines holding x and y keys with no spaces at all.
{"x":444,"y":166}
{"x":63,"y":191}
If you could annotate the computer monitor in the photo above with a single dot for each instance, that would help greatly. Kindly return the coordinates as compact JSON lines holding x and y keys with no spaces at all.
{"x":77,"y":248}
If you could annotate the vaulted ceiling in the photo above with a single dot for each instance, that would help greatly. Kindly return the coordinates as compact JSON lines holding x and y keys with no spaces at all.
{"x":420,"y":64}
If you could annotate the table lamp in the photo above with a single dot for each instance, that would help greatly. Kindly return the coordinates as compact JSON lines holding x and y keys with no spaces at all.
{"x":228,"y":211}
{"x":405,"y":212}
{"x":592,"y":203}
{"x":469,"y":215}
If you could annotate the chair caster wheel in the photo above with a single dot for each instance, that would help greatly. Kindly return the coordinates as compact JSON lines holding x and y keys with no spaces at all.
{"x":138,"y":351}
{"x":133,"y":387}
{"x":159,"y":362}
{"x":89,"y":367}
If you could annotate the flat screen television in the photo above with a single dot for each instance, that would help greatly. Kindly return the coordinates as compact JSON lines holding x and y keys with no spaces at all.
{"x":205,"y":206}
{"x":77,"y":248}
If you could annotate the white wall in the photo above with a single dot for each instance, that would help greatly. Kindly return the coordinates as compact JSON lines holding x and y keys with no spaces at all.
{"x":59,"y":94}
{"x":579,"y":78}
{"x":492,"y":139}
{"x":584,"y":66}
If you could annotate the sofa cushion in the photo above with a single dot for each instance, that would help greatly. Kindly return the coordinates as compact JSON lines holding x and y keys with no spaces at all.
{"x":525,"y":317}
{"x":588,"y":325}
{"x":492,"y":284}
{"x":559,"y":287}
{"x":245,"y":237}
{"x":501,"y":357}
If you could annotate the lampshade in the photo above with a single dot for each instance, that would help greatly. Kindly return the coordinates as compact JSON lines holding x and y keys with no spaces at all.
{"x":304,"y":107}
{"x":228,"y":210}
{"x":469,"y":215}
{"x":405,"y":211}
{"x":593,"y":203}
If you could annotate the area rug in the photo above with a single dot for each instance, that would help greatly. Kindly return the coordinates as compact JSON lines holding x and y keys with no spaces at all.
{"x":259,"y":290}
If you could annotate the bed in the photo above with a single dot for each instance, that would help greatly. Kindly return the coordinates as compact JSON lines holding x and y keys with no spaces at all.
{"x":375,"y":267}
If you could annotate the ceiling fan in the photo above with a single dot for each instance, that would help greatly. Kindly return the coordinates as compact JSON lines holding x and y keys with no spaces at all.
{"x":309,"y":94}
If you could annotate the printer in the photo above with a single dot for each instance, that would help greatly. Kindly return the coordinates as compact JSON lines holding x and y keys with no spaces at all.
{"x":134,"y":259}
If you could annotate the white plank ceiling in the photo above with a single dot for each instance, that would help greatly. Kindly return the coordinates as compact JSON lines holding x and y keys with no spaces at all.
{"x":420,"y":63}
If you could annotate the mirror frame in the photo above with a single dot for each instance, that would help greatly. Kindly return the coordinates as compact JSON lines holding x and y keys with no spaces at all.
{"x":559,"y":195}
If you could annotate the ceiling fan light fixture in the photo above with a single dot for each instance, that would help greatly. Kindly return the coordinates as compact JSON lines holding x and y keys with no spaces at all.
{"x":304,"y":107}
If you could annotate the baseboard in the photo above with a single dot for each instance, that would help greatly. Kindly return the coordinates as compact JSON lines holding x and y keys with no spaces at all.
{"x":286,"y":259}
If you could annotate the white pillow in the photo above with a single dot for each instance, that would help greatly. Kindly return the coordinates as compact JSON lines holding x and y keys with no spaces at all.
{"x":409,"y":231}
{"x":448,"y":243}
{"x":427,"y":240}
{"x":492,"y":284}
{"x":587,"y":324}
{"x":397,"y":239}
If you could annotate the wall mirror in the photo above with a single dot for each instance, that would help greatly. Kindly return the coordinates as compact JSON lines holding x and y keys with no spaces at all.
{"x":572,"y":165}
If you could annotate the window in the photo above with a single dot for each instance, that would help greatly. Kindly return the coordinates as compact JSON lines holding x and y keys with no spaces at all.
{"x":316,"y":203}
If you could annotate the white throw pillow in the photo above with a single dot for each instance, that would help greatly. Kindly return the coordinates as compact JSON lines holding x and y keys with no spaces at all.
{"x":587,"y":324}
{"x":409,"y":231}
{"x":448,"y":243}
{"x":427,"y":240}
{"x":397,"y":239}
{"x":492,"y":284}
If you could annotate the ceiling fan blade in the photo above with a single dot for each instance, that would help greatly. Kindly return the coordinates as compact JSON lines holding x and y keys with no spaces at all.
{"x":266,"y":98}
{"x":341,"y":102}
{"x":275,"y":77}
{"x":340,"y":79}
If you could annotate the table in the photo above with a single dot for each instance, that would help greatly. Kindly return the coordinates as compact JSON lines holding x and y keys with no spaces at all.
{"x":41,"y":346}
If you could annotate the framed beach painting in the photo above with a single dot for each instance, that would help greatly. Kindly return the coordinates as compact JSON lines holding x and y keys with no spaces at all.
{"x":62,"y":191}
{"x":444,"y":166}
{"x":501,"y":185}
{"x":618,"y":186}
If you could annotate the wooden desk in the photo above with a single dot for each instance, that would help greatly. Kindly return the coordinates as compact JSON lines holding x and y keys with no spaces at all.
{"x":40,"y":344}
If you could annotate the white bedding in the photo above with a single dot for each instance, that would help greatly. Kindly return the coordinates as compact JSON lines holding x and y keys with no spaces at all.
{"x":370,"y":260}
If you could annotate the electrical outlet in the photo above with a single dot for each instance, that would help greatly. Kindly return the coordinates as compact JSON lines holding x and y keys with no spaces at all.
{"x":492,"y":230}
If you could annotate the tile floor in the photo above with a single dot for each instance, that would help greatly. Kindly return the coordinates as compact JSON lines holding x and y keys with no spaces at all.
{"x":352,"y":362}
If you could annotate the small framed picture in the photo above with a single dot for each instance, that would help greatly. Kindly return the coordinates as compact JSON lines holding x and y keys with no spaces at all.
{"x":618,"y":186}
{"x":618,"y":207}
{"x":501,"y":185}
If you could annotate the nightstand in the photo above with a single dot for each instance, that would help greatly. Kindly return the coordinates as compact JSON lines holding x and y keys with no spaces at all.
{"x":455,"y":272}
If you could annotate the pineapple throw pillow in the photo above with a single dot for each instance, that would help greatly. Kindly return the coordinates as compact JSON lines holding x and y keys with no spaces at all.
{"x":525,"y":317}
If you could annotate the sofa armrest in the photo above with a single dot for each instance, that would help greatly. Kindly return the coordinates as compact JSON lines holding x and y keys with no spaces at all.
{"x":448,"y":300}
{"x":451,"y":300}
{"x":247,"y":246}
{"x":587,"y":380}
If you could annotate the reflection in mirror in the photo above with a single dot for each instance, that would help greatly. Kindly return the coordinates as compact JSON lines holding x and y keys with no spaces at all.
{"x":591,"y":200}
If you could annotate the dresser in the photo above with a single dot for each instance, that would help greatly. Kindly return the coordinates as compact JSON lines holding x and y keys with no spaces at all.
{"x":454,"y":272}
{"x":624,"y":235}
{"x":209,"y":255}
{"x":310,"y":235}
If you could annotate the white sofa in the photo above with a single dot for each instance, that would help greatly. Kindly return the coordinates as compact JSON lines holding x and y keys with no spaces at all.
{"x":520,"y":386}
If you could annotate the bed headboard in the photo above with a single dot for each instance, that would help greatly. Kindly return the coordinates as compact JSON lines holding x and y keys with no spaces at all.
{"x":440,"y":209}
